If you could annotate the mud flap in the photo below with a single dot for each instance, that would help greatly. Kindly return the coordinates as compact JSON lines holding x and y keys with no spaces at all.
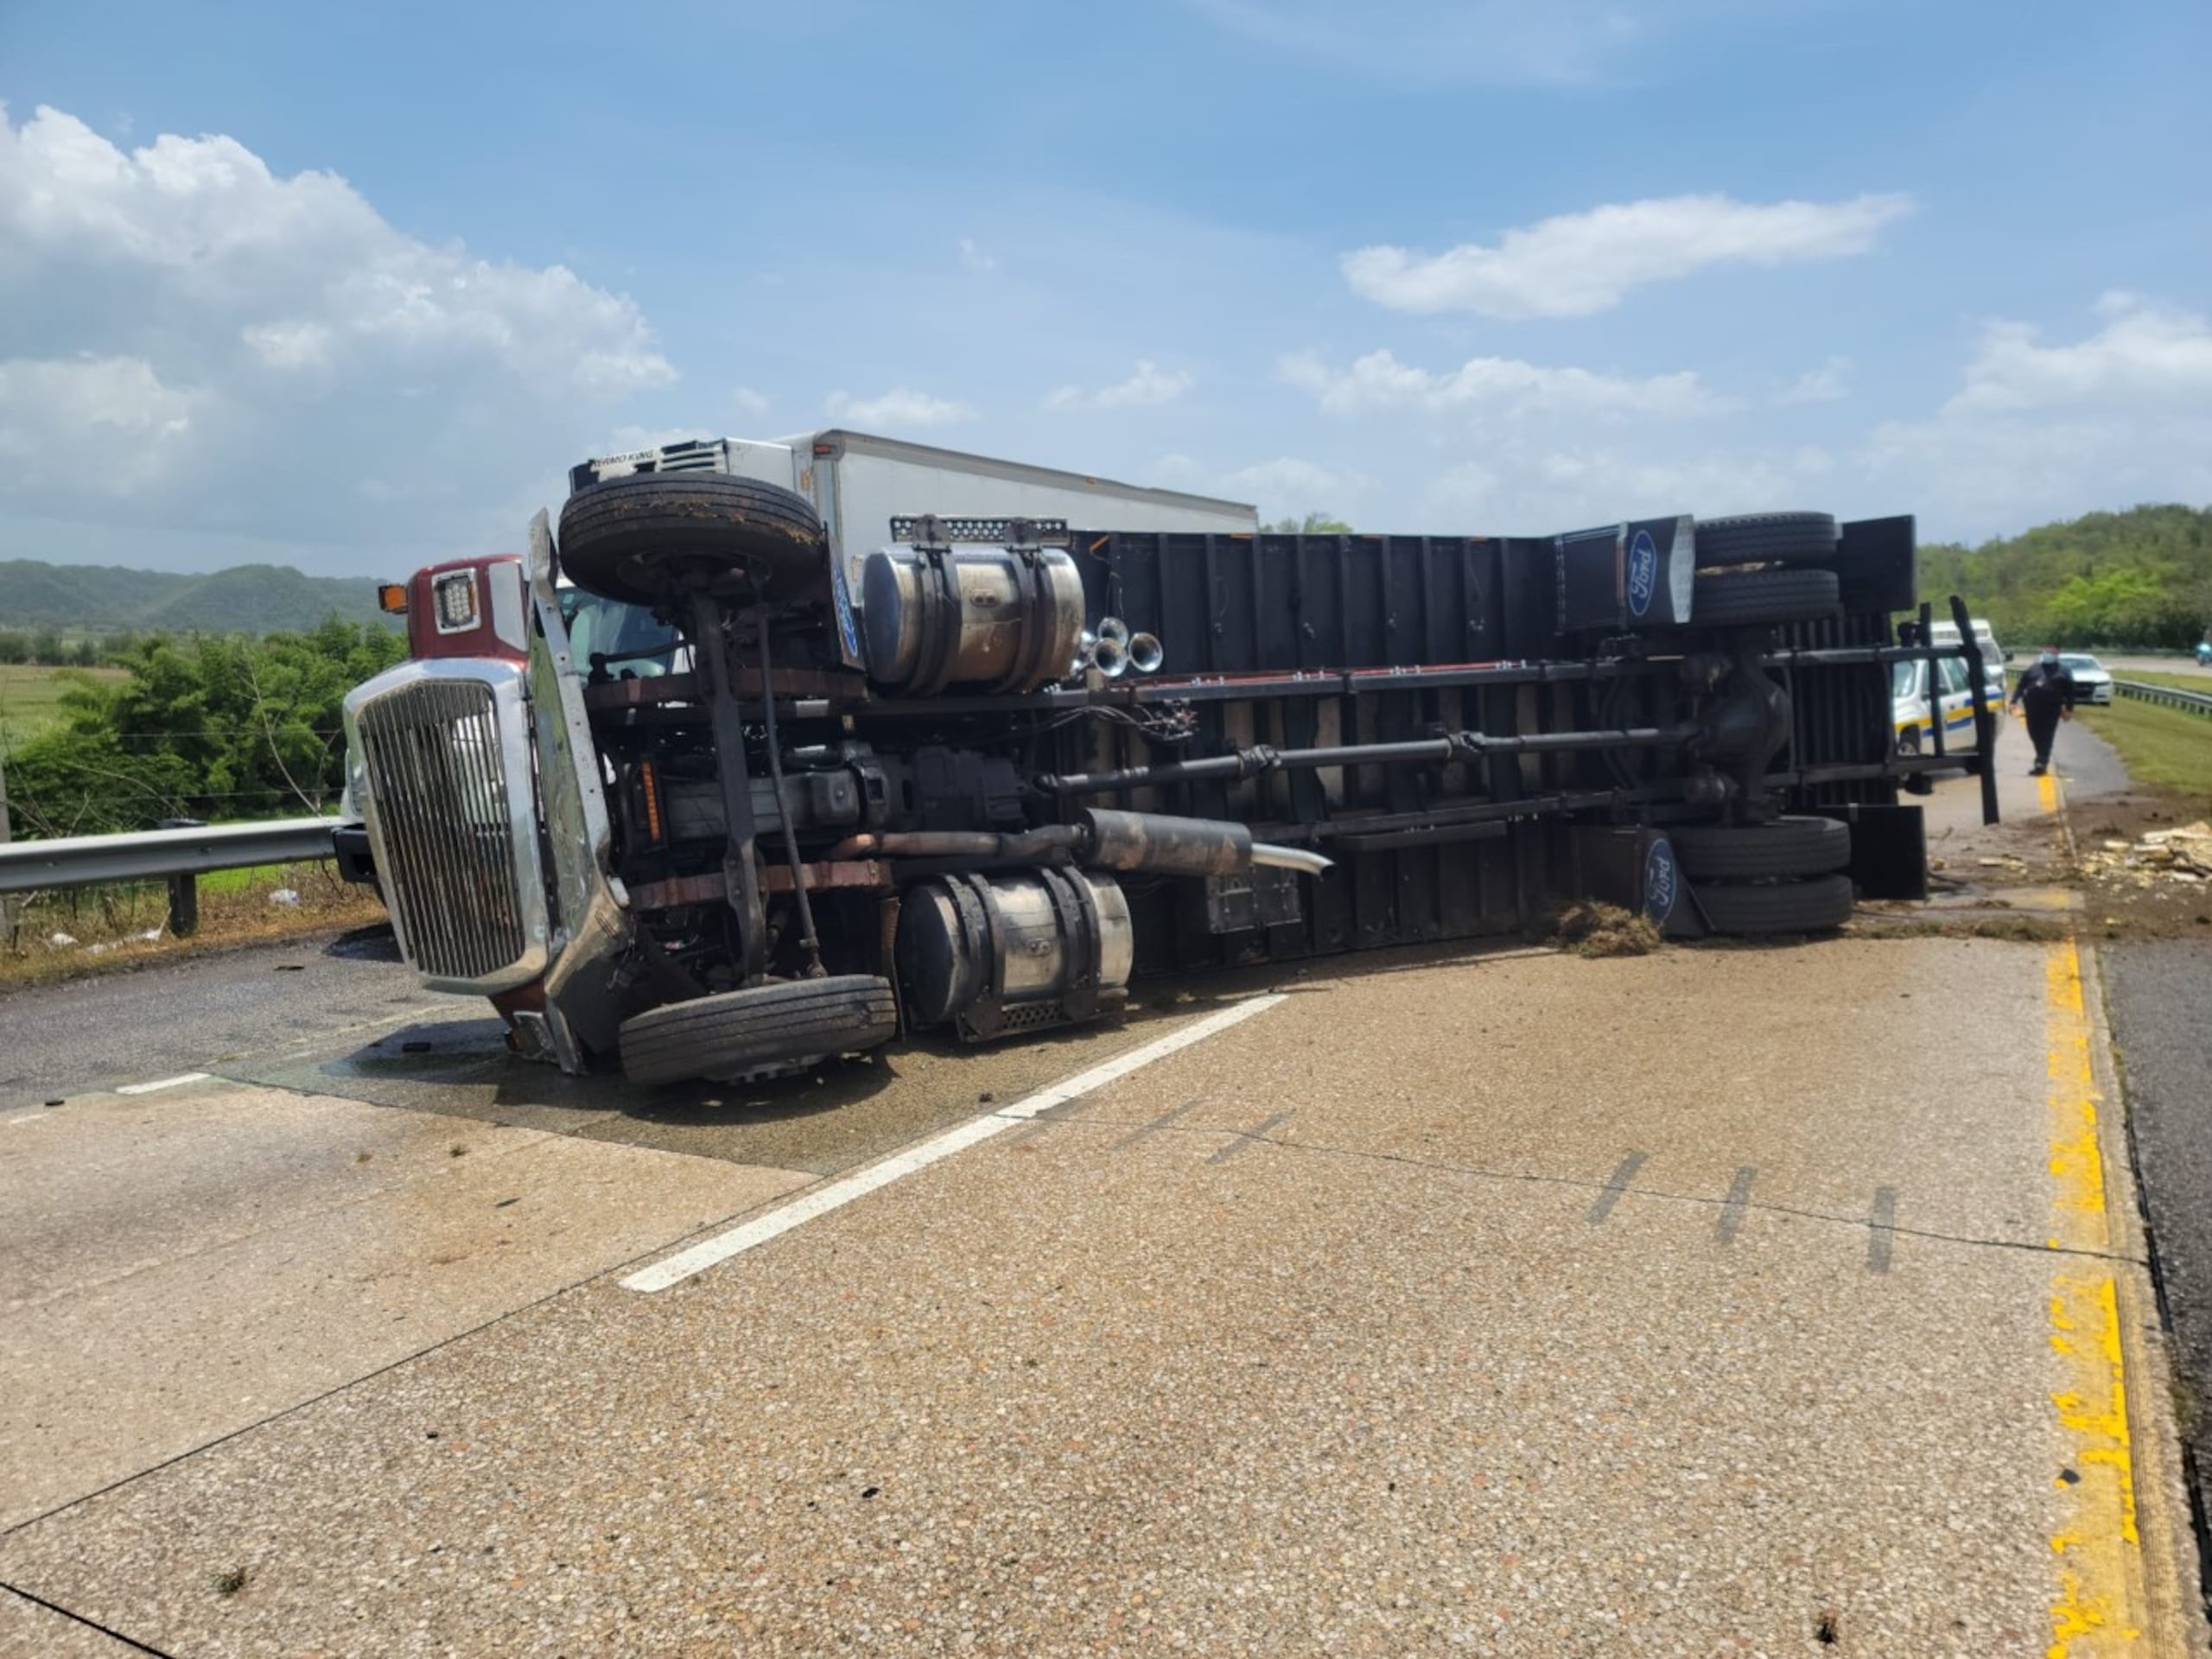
{"x":1889,"y":850}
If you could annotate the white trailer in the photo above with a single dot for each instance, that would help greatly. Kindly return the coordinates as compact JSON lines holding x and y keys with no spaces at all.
{"x":859,"y":483}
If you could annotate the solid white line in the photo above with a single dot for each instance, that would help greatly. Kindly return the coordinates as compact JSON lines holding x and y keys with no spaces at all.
{"x":820,"y":1202}
{"x":166,"y":1082}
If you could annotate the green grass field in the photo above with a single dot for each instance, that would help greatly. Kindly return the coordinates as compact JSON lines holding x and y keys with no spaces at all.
{"x":2181,"y":680}
{"x":2169,"y":747}
{"x":30,"y":697}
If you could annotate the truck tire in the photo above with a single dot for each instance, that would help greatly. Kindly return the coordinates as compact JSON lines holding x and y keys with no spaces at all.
{"x":1749,"y":598}
{"x":762,"y":1025}
{"x":647,"y":538}
{"x":1814,"y":905}
{"x":1767,"y":539}
{"x":1788,"y":847}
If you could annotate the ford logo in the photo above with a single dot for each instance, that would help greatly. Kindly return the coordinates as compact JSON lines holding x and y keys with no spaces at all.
{"x":1643,"y":572}
{"x":1661,"y":885}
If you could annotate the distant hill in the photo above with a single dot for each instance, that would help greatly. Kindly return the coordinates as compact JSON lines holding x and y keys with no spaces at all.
{"x":2142,"y":577}
{"x":247,"y":598}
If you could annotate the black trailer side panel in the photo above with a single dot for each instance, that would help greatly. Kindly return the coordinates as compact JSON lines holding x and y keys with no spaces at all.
{"x":1269,"y":604}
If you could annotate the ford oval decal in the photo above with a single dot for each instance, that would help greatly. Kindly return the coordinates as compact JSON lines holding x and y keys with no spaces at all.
{"x":1642,"y":573}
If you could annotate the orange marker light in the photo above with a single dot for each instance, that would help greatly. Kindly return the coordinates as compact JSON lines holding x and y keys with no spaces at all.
{"x":391,"y":598}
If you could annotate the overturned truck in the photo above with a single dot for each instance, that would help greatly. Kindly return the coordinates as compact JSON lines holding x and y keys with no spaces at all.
{"x":714,"y":800}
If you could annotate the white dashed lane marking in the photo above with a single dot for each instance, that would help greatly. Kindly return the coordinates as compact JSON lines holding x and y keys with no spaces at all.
{"x":164,"y":1083}
{"x":820,"y":1202}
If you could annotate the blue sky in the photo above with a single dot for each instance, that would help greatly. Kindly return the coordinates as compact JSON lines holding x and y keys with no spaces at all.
{"x":351,"y":287}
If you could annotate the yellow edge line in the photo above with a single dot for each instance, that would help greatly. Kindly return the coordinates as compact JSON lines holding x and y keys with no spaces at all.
{"x":2097,"y":1546}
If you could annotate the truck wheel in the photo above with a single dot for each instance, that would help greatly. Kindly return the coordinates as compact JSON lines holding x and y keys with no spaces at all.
{"x":761,"y":1024}
{"x":1788,"y":847}
{"x":1810,"y":906}
{"x":647,"y":538}
{"x":1767,"y":539}
{"x":1746,"y":598}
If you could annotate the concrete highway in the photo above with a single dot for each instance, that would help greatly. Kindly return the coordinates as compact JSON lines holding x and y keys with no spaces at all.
{"x":1788,"y":1299}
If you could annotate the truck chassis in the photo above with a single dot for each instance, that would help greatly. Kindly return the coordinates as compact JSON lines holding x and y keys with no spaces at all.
{"x":771,"y":824}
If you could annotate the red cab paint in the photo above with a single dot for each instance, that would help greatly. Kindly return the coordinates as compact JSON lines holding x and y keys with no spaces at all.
{"x":469,"y":608}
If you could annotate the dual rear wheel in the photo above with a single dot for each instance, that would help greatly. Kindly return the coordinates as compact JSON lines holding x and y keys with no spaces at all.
{"x":1782,"y":877}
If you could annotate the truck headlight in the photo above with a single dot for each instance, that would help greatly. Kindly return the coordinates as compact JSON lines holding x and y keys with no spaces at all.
{"x":454,"y":599}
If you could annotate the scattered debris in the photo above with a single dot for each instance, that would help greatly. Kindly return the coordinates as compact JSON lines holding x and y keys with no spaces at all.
{"x":149,"y":937}
{"x":288,"y":897}
{"x":62,"y":941}
{"x":230,"y":1581}
{"x":2182,"y":855}
{"x":1591,"y":929}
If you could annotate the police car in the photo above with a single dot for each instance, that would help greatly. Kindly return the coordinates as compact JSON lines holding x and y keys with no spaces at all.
{"x":1920,"y":693}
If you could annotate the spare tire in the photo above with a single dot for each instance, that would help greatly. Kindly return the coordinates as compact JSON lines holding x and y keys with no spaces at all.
{"x":1748,"y":598}
{"x":647,"y":538}
{"x":1810,"y":907}
{"x":1767,"y":539}
{"x":1788,"y":847}
{"x":762,"y":1025}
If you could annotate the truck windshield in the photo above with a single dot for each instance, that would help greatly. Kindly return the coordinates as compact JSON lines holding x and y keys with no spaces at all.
{"x":609,"y":637}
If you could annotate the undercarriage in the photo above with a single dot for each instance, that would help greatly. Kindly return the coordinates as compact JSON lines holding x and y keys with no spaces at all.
{"x":732,"y":817}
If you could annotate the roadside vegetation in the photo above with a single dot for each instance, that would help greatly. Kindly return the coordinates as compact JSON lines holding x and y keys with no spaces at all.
{"x":222,"y":729}
{"x":2140,"y":579}
{"x":2168,"y":748}
{"x":30,"y":699}
{"x":2198,"y":680}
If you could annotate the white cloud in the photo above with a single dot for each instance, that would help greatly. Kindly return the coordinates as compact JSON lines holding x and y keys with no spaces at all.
{"x":2145,"y":351}
{"x":2038,"y":431}
{"x":282,"y":327}
{"x":1286,"y":484}
{"x":747,"y":401}
{"x":1531,"y":488}
{"x":974,"y":258}
{"x":104,"y":424}
{"x":899,"y":407}
{"x":289,"y":344}
{"x":1829,"y":384}
{"x":1379,"y":381}
{"x":1579,"y":263}
{"x":1149,"y":387}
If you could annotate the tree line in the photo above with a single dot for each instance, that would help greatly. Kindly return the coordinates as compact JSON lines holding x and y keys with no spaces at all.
{"x":51,"y":648}
{"x":214,"y":727}
{"x":2141,"y":578}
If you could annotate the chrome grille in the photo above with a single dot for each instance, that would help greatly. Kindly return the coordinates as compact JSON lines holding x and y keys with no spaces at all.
{"x":438,"y":802}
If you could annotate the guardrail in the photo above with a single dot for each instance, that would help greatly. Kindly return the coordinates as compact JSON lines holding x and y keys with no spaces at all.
{"x":2196,"y":703}
{"x":178,"y":854}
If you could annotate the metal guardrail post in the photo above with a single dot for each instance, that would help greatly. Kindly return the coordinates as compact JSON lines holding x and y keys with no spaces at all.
{"x":184,"y":888}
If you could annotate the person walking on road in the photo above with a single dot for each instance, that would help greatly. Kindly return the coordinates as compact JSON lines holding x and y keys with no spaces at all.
{"x":2045,"y":694}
